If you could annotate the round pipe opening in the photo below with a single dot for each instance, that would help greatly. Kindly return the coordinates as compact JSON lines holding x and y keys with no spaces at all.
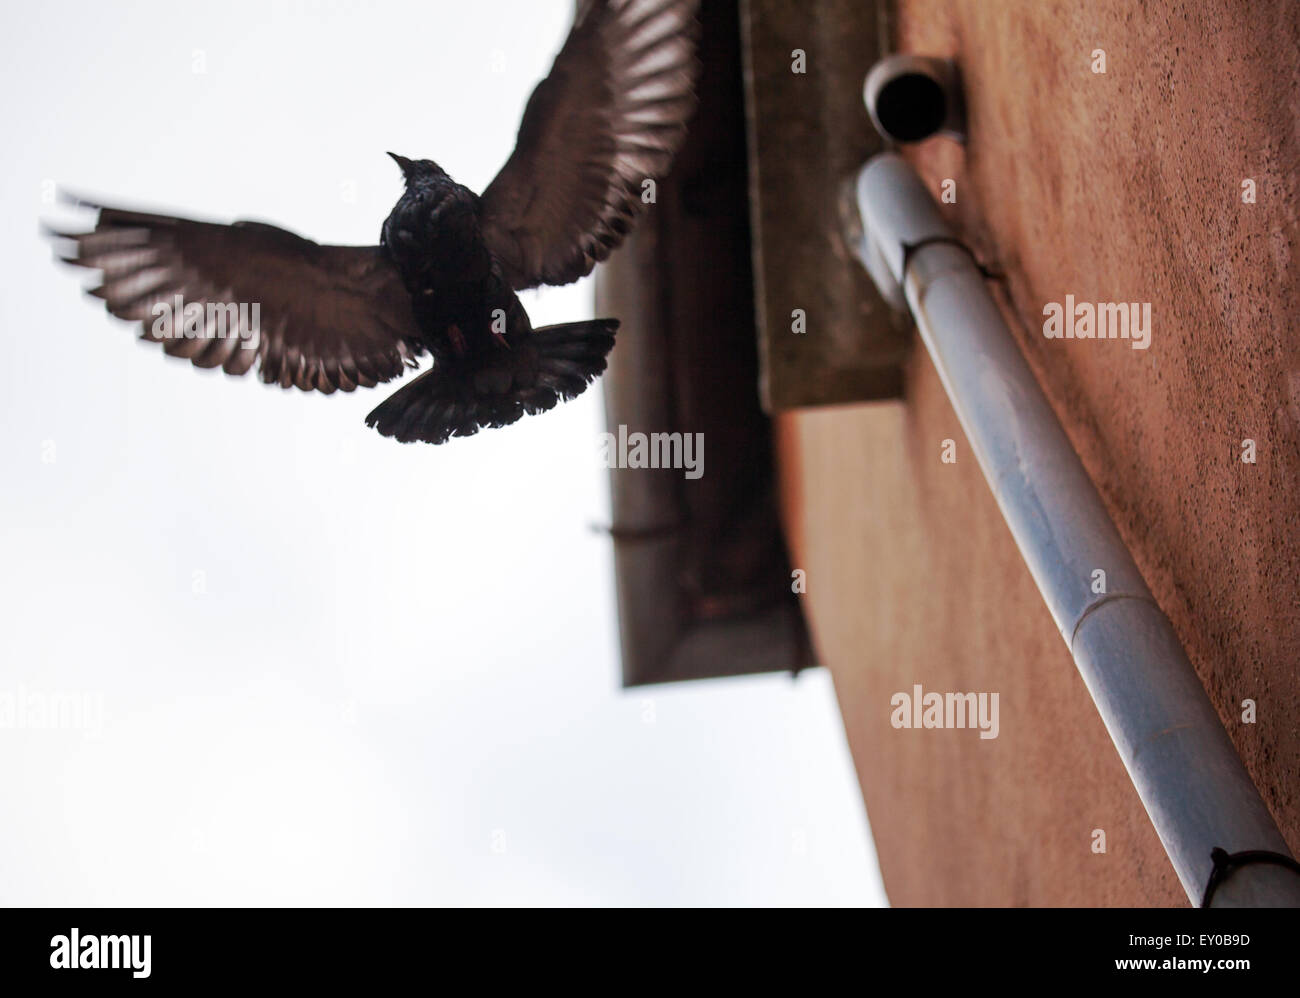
{"x":911,"y":107}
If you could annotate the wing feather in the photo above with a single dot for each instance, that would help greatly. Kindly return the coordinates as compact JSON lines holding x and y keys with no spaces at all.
{"x":610,"y":115}
{"x":330,"y":317}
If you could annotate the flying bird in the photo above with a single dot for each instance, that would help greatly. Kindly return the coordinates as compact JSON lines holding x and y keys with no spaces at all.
{"x":442,"y":281}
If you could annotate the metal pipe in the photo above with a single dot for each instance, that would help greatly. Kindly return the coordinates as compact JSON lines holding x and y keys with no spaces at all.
{"x":1191,"y":781}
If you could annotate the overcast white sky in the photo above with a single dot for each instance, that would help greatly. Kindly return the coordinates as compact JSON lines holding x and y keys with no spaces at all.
{"x":400,"y":681}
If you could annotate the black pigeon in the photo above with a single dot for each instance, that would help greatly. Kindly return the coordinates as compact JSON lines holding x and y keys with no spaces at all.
{"x":608,"y":117}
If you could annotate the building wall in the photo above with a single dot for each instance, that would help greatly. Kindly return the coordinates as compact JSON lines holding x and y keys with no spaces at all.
{"x":1122,"y":186}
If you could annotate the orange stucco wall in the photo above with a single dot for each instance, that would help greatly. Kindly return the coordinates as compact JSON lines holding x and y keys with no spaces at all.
{"x":1122,"y":186}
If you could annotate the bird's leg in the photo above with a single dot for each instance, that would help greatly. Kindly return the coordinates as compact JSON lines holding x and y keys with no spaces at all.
{"x":457,"y":339}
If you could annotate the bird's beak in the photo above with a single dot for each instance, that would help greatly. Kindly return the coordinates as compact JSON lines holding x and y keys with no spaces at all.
{"x":403,"y":162}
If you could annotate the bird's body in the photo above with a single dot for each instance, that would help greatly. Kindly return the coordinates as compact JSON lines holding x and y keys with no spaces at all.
{"x":434,"y":237}
{"x":489,"y":366}
{"x":444,"y":277}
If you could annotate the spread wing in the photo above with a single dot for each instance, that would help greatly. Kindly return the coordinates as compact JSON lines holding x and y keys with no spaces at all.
{"x":326,"y":317}
{"x":608,"y":117}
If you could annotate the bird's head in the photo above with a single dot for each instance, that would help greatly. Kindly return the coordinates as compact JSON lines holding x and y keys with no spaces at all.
{"x":418,"y":171}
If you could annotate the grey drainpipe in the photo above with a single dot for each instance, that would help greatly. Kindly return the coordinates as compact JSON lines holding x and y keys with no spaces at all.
{"x":1196,"y":790}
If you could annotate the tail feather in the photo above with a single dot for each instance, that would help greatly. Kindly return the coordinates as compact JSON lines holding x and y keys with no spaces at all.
{"x":551,"y":365}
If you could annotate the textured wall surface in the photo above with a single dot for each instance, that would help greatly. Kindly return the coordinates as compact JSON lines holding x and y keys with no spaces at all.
{"x":1122,"y":186}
